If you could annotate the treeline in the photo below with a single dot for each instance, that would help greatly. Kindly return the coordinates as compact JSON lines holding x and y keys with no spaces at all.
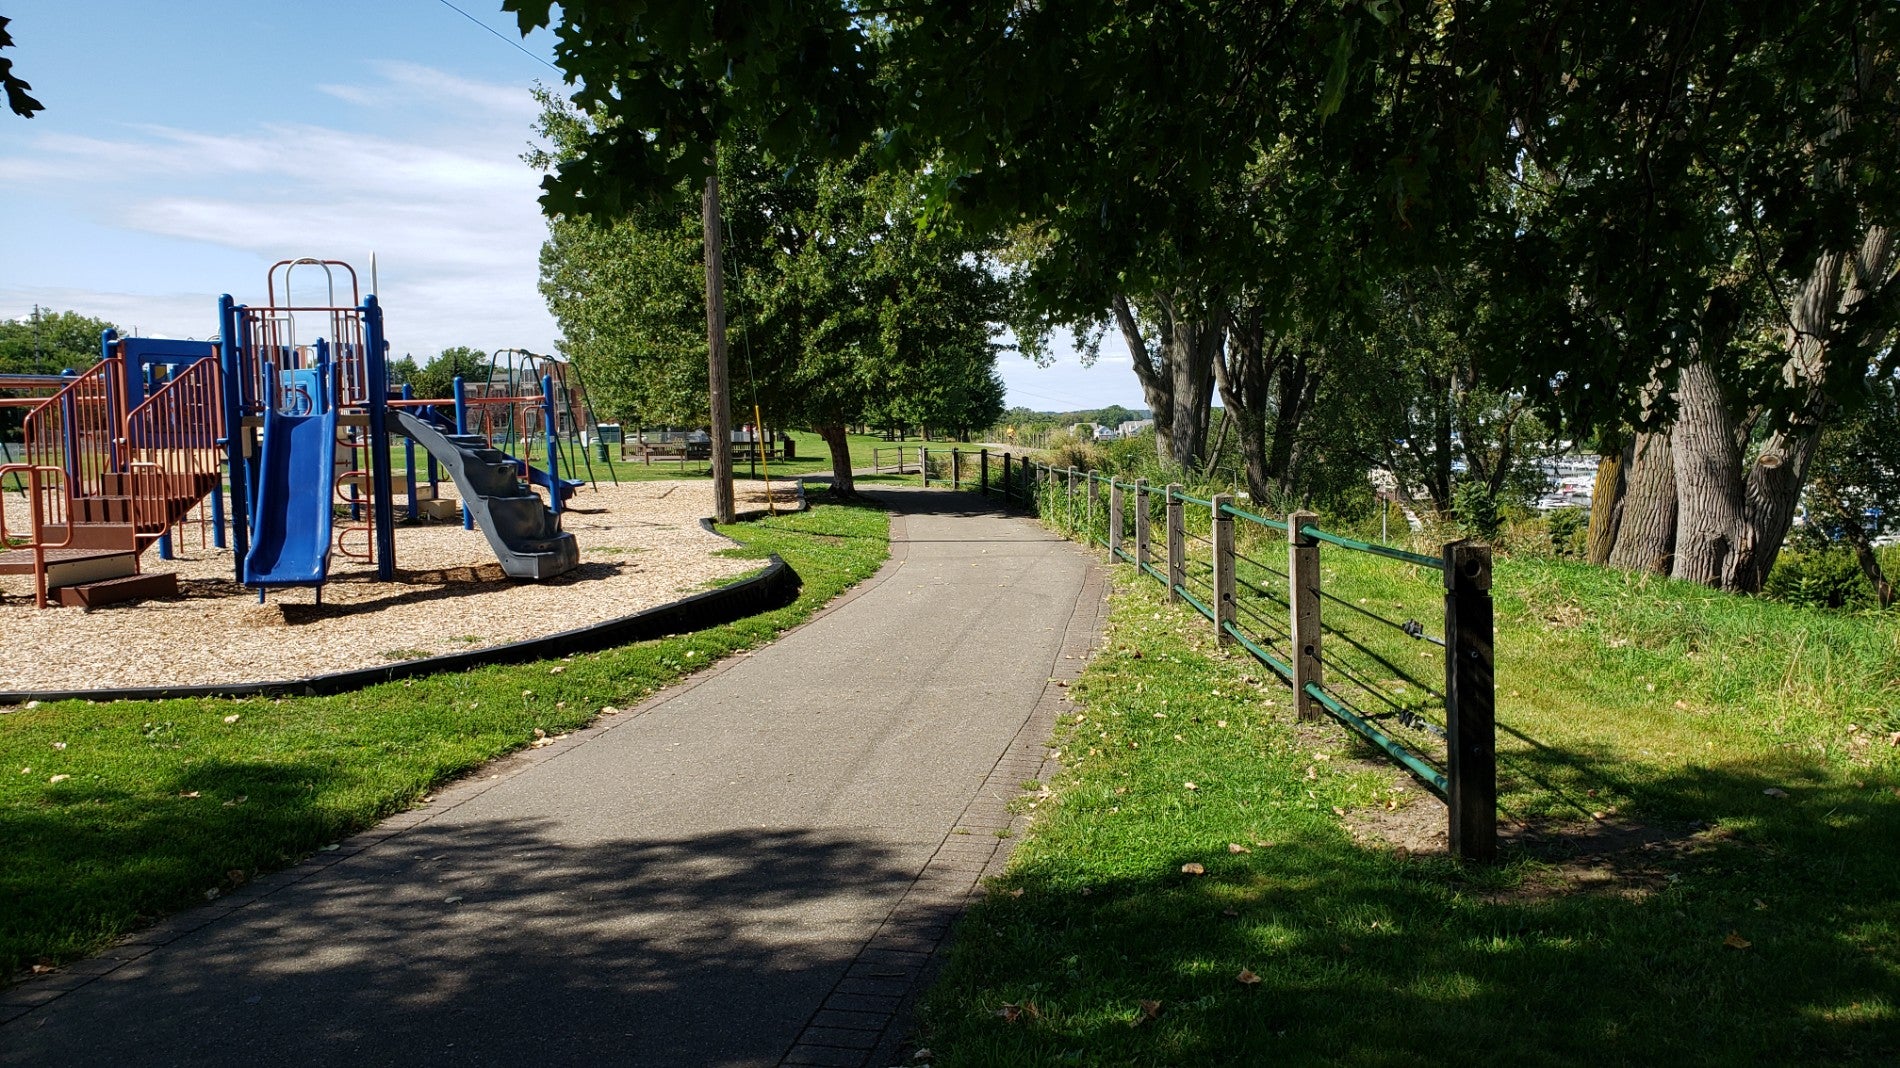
{"x":1417,"y":237}
{"x":840,"y":310}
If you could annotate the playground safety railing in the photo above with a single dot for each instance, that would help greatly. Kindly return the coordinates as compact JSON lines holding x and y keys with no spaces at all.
{"x":76,"y":430}
{"x":49,"y":505}
{"x":1342,"y":638}
{"x":174,"y":447}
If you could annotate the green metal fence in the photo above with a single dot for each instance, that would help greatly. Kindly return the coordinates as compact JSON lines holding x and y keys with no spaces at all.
{"x":1345,"y":637}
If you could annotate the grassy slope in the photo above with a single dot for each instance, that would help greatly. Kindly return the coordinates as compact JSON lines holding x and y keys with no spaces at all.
{"x":166,"y":800}
{"x":1368,"y":956}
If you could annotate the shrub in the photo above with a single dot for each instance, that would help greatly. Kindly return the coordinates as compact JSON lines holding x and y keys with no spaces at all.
{"x":1819,"y":578}
{"x":1477,"y":510}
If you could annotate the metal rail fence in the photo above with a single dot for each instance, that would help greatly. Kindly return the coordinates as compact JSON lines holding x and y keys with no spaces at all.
{"x":1339,"y":652}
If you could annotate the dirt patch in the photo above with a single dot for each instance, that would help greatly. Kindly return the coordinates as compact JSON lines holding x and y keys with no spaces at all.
{"x":1411,"y":821}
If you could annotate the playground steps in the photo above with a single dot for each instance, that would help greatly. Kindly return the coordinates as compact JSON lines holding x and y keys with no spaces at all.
{"x":117,"y":590}
{"x":72,"y":565}
{"x":524,"y":533}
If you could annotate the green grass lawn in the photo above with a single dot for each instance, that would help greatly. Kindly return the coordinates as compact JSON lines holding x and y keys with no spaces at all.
{"x":113,"y":814}
{"x":1700,"y":920}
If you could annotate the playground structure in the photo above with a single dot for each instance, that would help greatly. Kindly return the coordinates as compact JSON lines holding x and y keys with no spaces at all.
{"x":113,"y":458}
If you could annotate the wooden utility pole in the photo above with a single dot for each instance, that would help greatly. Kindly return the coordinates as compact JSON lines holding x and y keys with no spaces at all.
{"x":716,"y":384}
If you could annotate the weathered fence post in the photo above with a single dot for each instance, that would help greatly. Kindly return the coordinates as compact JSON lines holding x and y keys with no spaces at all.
{"x":1302,"y":571}
{"x":1008,"y":492}
{"x":1470,"y":701}
{"x":985,"y":488}
{"x":1095,"y":498}
{"x":1177,"y":543}
{"x":1221,"y":533}
{"x":1114,"y":520}
{"x":1141,"y":523}
{"x":1071,"y":493}
{"x":956,"y":469}
{"x":923,"y":463}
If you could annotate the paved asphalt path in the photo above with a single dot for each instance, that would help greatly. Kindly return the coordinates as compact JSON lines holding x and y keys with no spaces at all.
{"x":755,"y":867}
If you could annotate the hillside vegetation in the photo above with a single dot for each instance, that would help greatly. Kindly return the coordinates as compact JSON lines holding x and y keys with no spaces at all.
{"x":1700,"y":793}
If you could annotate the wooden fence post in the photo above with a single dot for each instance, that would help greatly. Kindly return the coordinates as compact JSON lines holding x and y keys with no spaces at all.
{"x":985,"y":488}
{"x":1008,"y":492}
{"x":1071,"y":492}
{"x":1114,"y":520}
{"x":1095,"y":497}
{"x":1302,"y":570}
{"x":1470,"y":701}
{"x":923,"y":463}
{"x":1222,"y":535}
{"x":1141,"y":523}
{"x":956,"y":469}
{"x":1177,"y":543}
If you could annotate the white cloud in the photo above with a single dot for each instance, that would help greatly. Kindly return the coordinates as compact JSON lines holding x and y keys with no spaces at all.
{"x":445,"y":203}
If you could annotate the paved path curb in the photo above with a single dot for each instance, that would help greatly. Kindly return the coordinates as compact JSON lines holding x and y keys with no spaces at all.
{"x":756,"y":867}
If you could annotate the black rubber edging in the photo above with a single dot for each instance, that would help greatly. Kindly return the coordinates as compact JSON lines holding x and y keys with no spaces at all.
{"x":774,"y":587}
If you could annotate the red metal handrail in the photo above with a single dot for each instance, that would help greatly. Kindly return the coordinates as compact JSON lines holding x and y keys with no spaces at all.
{"x":171,"y":447}
{"x":38,"y":494}
{"x":76,"y":430}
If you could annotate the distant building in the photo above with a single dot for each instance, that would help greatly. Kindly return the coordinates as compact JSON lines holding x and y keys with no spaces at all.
{"x":1133,"y":427}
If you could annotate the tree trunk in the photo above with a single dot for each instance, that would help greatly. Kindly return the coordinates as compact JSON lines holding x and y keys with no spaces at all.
{"x":1646,"y":535}
{"x":1241,"y":373}
{"x":1296,"y":389}
{"x":716,"y":386}
{"x":1176,"y":372}
{"x":842,"y":484}
{"x":1606,"y":503}
{"x":1711,"y":521}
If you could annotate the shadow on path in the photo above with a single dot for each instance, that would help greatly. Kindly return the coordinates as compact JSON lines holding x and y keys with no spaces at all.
{"x":496,"y":943}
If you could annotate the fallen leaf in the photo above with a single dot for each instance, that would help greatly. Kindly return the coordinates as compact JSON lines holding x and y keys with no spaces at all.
{"x":59,"y":745}
{"x":1194,"y":867}
{"x":1150,"y":1010}
{"x":922,"y":1054}
{"x":1220,"y":723}
{"x":191,"y":793}
{"x":1247,"y":977}
{"x":1230,"y":913}
{"x":59,"y":778}
{"x":1190,"y":786}
{"x":1236,"y":847}
{"x":1312,"y":773}
{"x":41,"y":969}
{"x":232,"y":718}
{"x":1735,"y":941}
{"x":557,"y":669}
{"x":453,"y":900}
{"x":1775,"y":791}
{"x":609,"y":710}
{"x":1337,"y":811}
{"x":1018,"y":892}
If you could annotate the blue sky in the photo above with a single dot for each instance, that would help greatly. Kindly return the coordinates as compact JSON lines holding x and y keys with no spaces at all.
{"x":186,"y":147}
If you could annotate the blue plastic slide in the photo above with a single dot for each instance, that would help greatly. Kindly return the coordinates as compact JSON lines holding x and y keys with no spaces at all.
{"x":290,"y":539}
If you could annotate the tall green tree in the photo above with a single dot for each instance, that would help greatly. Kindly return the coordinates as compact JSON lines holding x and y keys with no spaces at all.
{"x":841,"y":307}
{"x":46,"y":342}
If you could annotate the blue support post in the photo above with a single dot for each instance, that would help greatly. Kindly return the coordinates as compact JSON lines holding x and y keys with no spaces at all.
{"x":409,"y":459}
{"x":553,"y":436}
{"x":217,"y":518}
{"x":376,"y":376}
{"x":231,"y":358}
{"x":460,"y":392}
